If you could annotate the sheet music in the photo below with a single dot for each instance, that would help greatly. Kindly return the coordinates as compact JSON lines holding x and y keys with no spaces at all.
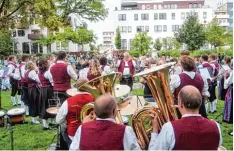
{"x":3,"y":72}
{"x":204,"y":72}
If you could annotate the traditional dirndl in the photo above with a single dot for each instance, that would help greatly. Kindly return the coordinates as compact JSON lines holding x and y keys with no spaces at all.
{"x":46,"y":94}
{"x":228,"y":106}
{"x":34,"y":101}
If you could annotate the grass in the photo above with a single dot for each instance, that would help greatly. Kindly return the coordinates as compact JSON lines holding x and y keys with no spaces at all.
{"x":32,"y":137}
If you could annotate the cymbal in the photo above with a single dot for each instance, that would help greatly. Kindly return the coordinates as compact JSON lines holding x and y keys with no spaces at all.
{"x":153,"y":69}
{"x":53,"y":110}
{"x":129,"y":106}
{"x":121,"y":90}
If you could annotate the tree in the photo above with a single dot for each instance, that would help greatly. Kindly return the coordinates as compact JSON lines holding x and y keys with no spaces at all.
{"x":6,"y":43}
{"x":191,"y":33}
{"x":164,"y":41}
{"x":48,"y":13}
{"x":215,"y":34}
{"x":229,"y":38}
{"x":176,"y":44}
{"x":118,"y":39}
{"x":157,"y":44}
{"x":141,"y":43}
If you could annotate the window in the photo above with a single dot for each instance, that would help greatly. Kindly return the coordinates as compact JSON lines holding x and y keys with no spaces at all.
{"x":147,"y":28}
{"x":190,"y":5}
{"x":124,"y":44}
{"x":195,"y":5}
{"x":159,"y":6}
{"x":204,"y":15}
{"x":182,"y":15}
{"x":175,"y":28}
{"x":187,"y":14}
{"x":147,"y":6}
{"x":140,"y":28}
{"x":135,"y":16}
{"x":173,"y":16}
{"x":21,"y":33}
{"x":199,"y":5}
{"x":35,"y":31}
{"x":143,"y":6}
{"x":173,"y":6}
{"x":196,"y":14}
{"x":162,"y":16}
{"x":144,"y":16}
{"x":164,"y":28}
{"x":14,"y":33}
{"x":122,"y":17}
{"x":25,"y":47}
{"x":34,"y":48}
{"x":155,"y":16}
{"x":123,"y":29}
{"x":155,"y":7}
{"x":165,"y":6}
{"x":130,"y":44}
{"x":158,"y":28}
{"x":129,"y":29}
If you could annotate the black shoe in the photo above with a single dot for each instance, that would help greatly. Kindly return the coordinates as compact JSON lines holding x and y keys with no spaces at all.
{"x":215,"y":111}
{"x":209,"y":112}
{"x":46,"y":128}
{"x":51,"y":124}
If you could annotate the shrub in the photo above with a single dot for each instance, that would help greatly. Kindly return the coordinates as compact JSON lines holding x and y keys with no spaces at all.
{"x":134,"y":53}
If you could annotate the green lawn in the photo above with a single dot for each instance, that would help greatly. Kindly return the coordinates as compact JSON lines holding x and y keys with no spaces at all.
{"x":32,"y":137}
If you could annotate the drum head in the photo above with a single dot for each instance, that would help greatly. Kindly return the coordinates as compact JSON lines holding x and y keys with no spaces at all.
{"x":2,"y":113}
{"x":121,"y":90}
{"x":16,"y":111}
{"x":72,"y":92}
{"x":53,"y":110}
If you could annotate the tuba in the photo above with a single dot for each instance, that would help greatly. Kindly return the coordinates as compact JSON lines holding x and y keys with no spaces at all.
{"x":96,"y":87}
{"x":157,"y":79}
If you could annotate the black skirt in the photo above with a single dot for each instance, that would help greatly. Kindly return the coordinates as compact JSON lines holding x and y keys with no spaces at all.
{"x":34,"y":101}
{"x":46,"y":94}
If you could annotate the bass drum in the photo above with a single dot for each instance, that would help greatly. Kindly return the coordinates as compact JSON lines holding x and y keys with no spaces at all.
{"x":16,"y":115}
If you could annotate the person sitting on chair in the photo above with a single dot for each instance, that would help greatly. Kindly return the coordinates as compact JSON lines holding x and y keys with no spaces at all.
{"x":104,"y":133}
{"x":70,"y":110}
{"x":192,"y":132}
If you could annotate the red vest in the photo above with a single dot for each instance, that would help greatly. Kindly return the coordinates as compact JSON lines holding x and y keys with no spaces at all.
{"x":45,"y":83}
{"x":75,"y":105}
{"x":216,"y":67}
{"x":130,"y":66}
{"x":195,"y":133}
{"x":186,"y":80}
{"x":23,"y":80}
{"x":102,"y":135}
{"x":61,"y":79}
{"x":31,"y":83}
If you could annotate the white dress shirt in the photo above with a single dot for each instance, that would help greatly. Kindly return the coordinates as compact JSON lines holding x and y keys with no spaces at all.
{"x":165,"y":140}
{"x":127,"y":69}
{"x":107,"y":70}
{"x":175,"y":82}
{"x":83,"y":73}
{"x":228,"y":81}
{"x":34,"y":76}
{"x":49,"y":77}
{"x":70,"y":70}
{"x":20,"y":72}
{"x":129,"y":142}
{"x":11,"y":69}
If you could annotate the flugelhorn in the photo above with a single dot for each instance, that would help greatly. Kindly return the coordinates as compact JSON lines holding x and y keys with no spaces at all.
{"x":96,"y":87}
{"x":157,"y":79}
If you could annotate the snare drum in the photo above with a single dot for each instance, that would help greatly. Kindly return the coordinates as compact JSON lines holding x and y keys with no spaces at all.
{"x":16,"y":115}
{"x":2,"y":114}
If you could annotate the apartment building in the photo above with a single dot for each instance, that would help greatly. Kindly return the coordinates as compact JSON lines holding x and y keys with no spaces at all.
{"x":159,"y":18}
{"x":25,"y":38}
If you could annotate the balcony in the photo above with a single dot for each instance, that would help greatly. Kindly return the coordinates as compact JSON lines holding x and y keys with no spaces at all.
{"x":34,"y":36}
{"x":222,"y":16}
{"x":224,"y":24}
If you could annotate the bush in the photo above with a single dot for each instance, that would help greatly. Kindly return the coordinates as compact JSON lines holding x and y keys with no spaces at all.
{"x":172,"y":53}
{"x":134,"y":53}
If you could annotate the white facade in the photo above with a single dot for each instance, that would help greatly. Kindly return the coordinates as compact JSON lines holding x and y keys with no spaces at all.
{"x":158,"y":23}
{"x":222,"y":17}
{"x":25,"y":39}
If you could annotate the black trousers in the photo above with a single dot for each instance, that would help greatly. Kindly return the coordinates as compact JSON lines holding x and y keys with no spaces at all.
{"x":127,"y":81}
{"x":14,"y":86}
